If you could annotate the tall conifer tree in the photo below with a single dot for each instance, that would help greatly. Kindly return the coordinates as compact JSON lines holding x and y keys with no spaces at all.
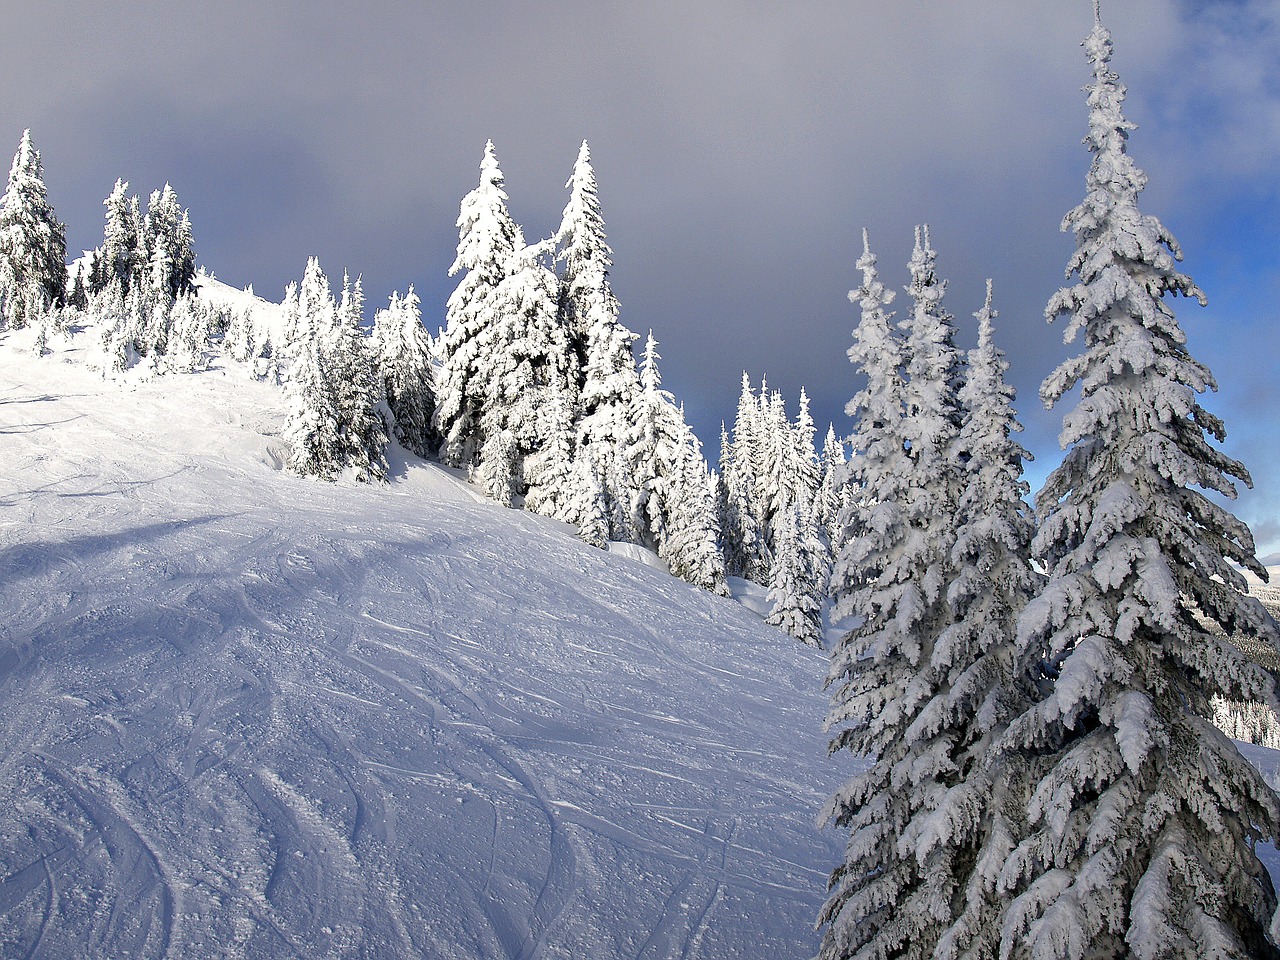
{"x":1143,"y":825}
{"x":898,"y":889}
{"x":605,"y":368}
{"x":33,"y":247}
{"x":404,"y":350}
{"x":487,"y":240}
{"x":983,"y":808}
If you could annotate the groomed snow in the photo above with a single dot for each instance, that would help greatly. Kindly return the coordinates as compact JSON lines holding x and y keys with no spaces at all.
{"x":248,"y":715}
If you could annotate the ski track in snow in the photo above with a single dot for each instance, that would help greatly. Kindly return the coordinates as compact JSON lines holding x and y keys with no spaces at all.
{"x":248,"y":715}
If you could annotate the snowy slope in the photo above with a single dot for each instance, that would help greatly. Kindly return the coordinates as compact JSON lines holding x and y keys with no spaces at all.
{"x":247,"y":715}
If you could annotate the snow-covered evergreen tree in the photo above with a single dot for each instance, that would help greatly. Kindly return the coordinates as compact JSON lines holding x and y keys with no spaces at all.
{"x":487,"y":240}
{"x":167,"y":227}
{"x":189,"y":338}
{"x":404,"y":356}
{"x":120,"y":257}
{"x":879,"y":468}
{"x":807,"y":471}
{"x":673,"y":511}
{"x":833,"y":489}
{"x":590,"y":507}
{"x":240,"y":339}
{"x":333,"y":388}
{"x":605,"y":369}
{"x":1144,"y":822}
{"x":746,"y":541}
{"x":497,"y":469}
{"x":33,"y":271}
{"x":522,"y":376}
{"x":315,"y":448}
{"x":975,"y":657}
{"x":549,"y":475}
{"x":354,"y":373}
{"x":691,"y":543}
{"x":795,"y":599}
{"x":897,"y":891}
{"x":79,"y":295}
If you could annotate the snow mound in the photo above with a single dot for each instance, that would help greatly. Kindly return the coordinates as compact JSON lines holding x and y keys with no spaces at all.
{"x":248,"y":715}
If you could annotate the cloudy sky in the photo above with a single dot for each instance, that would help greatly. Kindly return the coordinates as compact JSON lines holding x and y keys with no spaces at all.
{"x":740,"y":149}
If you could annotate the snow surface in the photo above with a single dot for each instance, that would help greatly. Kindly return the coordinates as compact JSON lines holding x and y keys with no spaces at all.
{"x":244,"y":714}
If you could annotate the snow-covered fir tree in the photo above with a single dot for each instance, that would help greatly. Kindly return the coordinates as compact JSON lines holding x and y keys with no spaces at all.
{"x":522,"y":378}
{"x":189,"y":336}
{"x":806,"y":470}
{"x":33,"y":271}
{"x":487,"y":240}
{"x":878,"y":468}
{"x":673,"y":511}
{"x":606,"y":368}
{"x":746,"y":541}
{"x":354,"y":371}
{"x":550,"y":478}
{"x":166,"y":235}
{"x":333,"y":388}
{"x":975,"y":657}
{"x":120,"y":258}
{"x":1144,"y":822}
{"x":768,"y":465}
{"x":897,"y":891}
{"x":833,"y":489}
{"x":795,"y":582}
{"x":240,"y":339}
{"x":404,"y":357}
{"x":590,"y":505}
{"x":315,"y":449}
{"x":691,"y":546}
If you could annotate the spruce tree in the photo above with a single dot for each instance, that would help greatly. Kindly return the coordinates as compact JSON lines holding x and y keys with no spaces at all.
{"x":795,"y":603}
{"x":315,"y":448}
{"x":673,"y":511}
{"x":745,"y":537}
{"x":549,"y":475}
{"x":605,"y":368}
{"x":879,"y":467}
{"x":806,"y":469}
{"x":590,"y":507}
{"x":522,"y":376}
{"x":333,"y":388}
{"x":33,"y":248}
{"x":976,"y":655}
{"x":1143,"y":824}
{"x":404,"y":357}
{"x":168,"y":226}
{"x":354,"y":373}
{"x":897,"y":890}
{"x":487,"y":240}
{"x":833,"y":488}
{"x":121,"y":256}
{"x":691,"y":546}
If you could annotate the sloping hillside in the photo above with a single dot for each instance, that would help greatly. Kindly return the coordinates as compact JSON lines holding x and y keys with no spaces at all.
{"x":247,"y":715}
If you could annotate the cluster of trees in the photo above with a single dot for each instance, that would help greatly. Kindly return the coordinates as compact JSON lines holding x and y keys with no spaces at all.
{"x":532,"y":386}
{"x":538,"y":392}
{"x":777,"y":504}
{"x":140,"y":284}
{"x":1044,"y":779}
